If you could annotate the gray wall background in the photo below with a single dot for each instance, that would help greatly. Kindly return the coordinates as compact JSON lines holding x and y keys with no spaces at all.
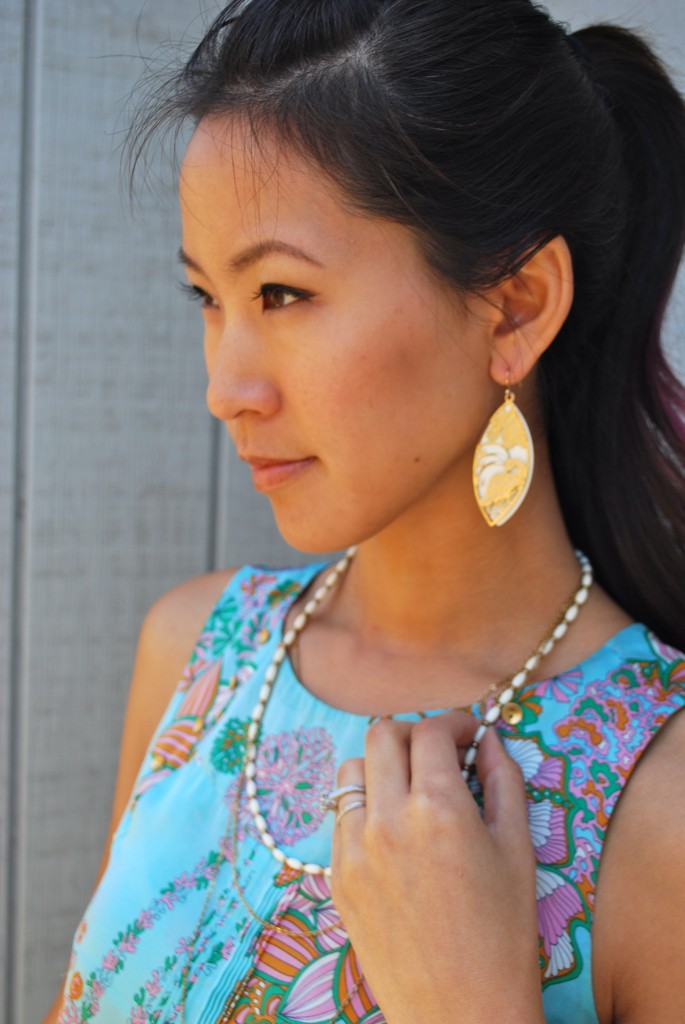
{"x":114,"y":484}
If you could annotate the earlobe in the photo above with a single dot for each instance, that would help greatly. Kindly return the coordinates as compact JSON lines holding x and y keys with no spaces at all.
{"x":533,"y":306}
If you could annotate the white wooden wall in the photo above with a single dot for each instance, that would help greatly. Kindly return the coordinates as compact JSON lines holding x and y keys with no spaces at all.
{"x":114,"y":485}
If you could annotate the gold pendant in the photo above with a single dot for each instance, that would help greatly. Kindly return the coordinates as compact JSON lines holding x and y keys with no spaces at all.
{"x":503,"y":463}
{"x":512,"y":713}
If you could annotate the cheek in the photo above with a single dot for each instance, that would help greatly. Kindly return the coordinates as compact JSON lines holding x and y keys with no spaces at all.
{"x":405,"y":388}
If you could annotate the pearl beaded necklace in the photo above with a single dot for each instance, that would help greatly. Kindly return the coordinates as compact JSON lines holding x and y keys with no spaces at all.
{"x":329,"y":584}
{"x":503,"y":706}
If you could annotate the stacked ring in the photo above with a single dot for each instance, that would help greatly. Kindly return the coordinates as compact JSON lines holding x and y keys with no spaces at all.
{"x":349,"y":807}
{"x":331,"y":800}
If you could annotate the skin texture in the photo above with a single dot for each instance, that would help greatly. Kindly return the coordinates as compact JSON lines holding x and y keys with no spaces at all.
{"x":361,"y":365}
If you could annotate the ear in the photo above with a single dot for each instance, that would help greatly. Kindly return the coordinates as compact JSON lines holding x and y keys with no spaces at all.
{"x":533,"y":306}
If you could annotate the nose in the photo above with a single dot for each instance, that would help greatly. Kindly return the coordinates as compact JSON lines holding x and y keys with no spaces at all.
{"x":238,"y":383}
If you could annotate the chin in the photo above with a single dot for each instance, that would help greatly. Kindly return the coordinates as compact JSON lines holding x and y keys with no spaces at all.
{"x":315,"y":543}
{"x":325,"y":535}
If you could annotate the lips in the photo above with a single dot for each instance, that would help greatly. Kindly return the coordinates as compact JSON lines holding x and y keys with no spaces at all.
{"x":269,"y":473}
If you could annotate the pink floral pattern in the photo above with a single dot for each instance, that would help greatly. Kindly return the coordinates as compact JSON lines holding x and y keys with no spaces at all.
{"x":293,"y":771}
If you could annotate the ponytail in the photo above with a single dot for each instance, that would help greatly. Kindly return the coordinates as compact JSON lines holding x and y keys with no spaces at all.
{"x":617,"y":438}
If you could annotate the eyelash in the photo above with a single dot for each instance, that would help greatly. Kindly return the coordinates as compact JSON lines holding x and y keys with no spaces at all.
{"x":194,"y":293}
{"x":197,"y":294}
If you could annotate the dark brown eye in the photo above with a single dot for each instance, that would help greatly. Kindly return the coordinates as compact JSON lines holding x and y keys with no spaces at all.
{"x":277,"y":296}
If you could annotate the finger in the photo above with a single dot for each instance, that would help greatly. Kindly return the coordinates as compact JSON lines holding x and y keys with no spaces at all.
{"x":438,"y":747}
{"x":351,"y":773}
{"x":504,"y":796}
{"x":387,"y":765}
{"x":350,"y":828}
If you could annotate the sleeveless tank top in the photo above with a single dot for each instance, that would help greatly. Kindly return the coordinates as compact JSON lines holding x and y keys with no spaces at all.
{"x":172,"y":865}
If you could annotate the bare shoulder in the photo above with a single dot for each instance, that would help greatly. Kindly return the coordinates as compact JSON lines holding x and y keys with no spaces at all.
{"x":639,"y":924}
{"x":174,"y":621}
{"x":168,"y":634}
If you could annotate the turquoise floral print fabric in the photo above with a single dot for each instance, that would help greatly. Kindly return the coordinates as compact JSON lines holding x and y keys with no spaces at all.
{"x":169,"y":900}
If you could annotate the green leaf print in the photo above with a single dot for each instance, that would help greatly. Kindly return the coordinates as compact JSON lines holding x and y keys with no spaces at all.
{"x":282,"y":591}
{"x":215,"y":956}
{"x":228,"y":751}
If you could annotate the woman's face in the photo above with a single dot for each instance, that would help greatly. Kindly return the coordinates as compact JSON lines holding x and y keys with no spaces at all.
{"x":349,"y":378}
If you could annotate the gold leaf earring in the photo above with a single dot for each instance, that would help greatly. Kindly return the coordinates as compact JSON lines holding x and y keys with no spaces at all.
{"x":503,"y":462}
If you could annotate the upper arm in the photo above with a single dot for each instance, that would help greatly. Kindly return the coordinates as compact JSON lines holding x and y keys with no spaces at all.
{"x":166,"y":640}
{"x":639,"y":925}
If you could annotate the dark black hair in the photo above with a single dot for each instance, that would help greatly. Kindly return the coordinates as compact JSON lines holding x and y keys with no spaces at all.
{"x":486,"y":129}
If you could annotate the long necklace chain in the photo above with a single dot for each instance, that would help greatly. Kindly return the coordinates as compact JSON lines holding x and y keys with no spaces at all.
{"x":503,"y":693}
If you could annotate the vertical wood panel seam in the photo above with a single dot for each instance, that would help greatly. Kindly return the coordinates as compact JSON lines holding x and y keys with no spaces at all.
{"x":25,"y":292}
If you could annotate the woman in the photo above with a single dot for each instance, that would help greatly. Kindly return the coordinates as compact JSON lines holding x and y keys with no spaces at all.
{"x":432,"y":244}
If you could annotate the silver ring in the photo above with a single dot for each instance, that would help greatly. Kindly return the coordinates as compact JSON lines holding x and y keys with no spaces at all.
{"x":349,"y":807}
{"x":330,"y":801}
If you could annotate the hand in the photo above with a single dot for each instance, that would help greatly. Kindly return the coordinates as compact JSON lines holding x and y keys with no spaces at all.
{"x":438,"y":902}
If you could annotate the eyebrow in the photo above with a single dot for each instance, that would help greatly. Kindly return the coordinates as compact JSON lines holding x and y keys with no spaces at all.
{"x":253,"y":254}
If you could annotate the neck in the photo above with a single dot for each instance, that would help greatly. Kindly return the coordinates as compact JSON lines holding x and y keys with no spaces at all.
{"x":461,"y":586}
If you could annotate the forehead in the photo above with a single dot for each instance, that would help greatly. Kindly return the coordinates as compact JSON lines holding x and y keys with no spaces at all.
{"x":256,"y":179}
{"x":236,"y":188}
